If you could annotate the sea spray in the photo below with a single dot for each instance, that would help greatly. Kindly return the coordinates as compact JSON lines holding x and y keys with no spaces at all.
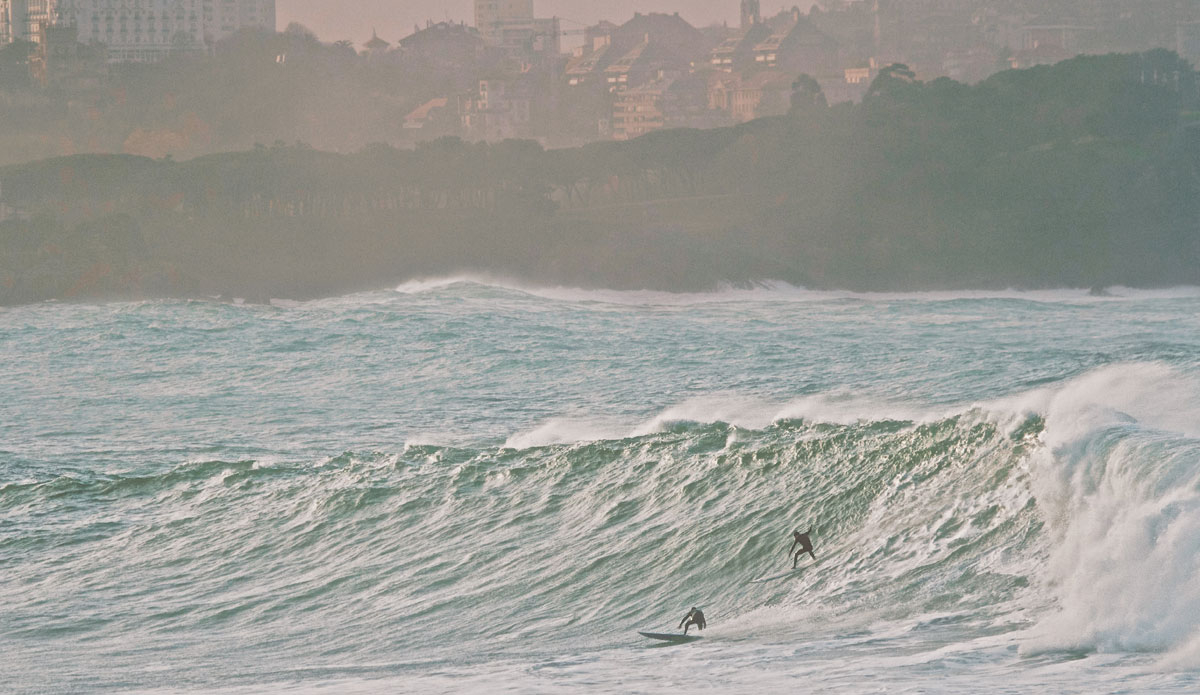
{"x":1119,"y":486}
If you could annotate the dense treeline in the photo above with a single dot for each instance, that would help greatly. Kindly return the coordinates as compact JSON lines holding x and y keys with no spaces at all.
{"x":1086,"y":173}
{"x":256,"y":87}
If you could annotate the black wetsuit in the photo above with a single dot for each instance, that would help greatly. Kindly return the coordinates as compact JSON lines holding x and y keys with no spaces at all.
{"x":805,"y":543}
{"x":694,"y":617}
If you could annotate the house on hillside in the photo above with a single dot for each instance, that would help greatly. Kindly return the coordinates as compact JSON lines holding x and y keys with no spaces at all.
{"x":626,"y":56}
{"x":500,"y":109}
{"x":676,"y":41}
{"x":795,"y":44}
{"x":736,"y":53}
{"x":767,"y":93}
{"x":631,"y":69}
{"x":668,"y":101}
{"x":434,"y":118}
{"x":442,"y":44}
{"x":588,"y":68}
{"x":639,"y":110}
{"x":1047,"y":44}
{"x":849,"y":86}
{"x":970,"y":65}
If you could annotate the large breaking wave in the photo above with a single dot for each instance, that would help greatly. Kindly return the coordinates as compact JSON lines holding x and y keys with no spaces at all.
{"x":1069,"y":515}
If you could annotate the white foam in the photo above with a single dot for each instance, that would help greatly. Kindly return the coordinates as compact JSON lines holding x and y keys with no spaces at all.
{"x":565,"y":430}
{"x":849,"y":409}
{"x":740,"y":411}
{"x":1120,"y":491}
{"x":768,"y":290}
{"x":1154,"y":395}
{"x":423,"y":285}
{"x":1178,"y":292}
{"x":735,"y":410}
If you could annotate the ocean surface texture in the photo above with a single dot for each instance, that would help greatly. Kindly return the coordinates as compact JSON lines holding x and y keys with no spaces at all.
{"x":466,"y":486}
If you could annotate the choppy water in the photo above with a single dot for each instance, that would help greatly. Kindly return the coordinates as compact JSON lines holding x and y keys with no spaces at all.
{"x":460,"y":486}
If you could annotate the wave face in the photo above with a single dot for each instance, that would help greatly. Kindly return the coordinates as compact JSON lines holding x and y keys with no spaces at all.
{"x":461,"y":486}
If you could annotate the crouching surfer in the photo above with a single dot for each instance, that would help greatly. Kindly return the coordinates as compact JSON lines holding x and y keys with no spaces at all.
{"x":805,"y":543}
{"x":694,"y":617}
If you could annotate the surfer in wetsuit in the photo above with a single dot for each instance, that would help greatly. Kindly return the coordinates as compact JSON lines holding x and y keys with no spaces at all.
{"x":694,"y":617}
{"x":805,"y":543}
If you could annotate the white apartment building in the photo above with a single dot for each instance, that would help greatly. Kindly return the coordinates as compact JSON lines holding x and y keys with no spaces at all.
{"x":6,"y":36}
{"x":140,"y":30}
{"x":21,"y":20}
{"x":137,"y":31}
{"x":510,"y":24}
{"x":492,"y":17}
{"x":224,"y":17}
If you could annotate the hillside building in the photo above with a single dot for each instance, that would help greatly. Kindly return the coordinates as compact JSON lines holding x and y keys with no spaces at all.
{"x":499,"y":109}
{"x":639,"y":110}
{"x":136,"y":30}
{"x":444,"y":45}
{"x":667,"y":101}
{"x":625,"y":56}
{"x":138,"y":33}
{"x":224,"y":18}
{"x":751,"y":14}
{"x":22,"y":20}
{"x":492,"y":17}
{"x":736,"y":52}
{"x":511,"y":25}
{"x":794,"y":44}
{"x":433,"y":118}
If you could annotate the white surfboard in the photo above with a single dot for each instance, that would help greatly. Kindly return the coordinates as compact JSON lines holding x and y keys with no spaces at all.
{"x":773,"y":577}
{"x":670,"y":636}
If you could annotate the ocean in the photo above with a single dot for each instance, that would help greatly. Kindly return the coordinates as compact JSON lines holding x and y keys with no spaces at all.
{"x":472,"y":486}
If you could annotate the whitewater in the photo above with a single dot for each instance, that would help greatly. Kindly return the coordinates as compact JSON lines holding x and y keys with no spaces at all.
{"x":467,"y":485}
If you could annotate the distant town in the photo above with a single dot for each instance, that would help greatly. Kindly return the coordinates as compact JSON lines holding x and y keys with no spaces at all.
{"x":513,"y":74}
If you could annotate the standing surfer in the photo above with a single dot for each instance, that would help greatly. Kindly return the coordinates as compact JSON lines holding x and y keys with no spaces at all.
{"x":694,"y":617}
{"x":805,"y":543}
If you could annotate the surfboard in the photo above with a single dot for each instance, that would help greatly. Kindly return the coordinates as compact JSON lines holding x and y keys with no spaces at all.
{"x":670,"y":637}
{"x":773,"y":577}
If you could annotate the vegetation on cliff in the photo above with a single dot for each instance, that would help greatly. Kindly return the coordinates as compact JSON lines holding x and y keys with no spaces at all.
{"x":1081,"y":174}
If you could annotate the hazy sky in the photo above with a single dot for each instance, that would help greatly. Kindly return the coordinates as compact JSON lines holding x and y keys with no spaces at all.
{"x":332,"y":20}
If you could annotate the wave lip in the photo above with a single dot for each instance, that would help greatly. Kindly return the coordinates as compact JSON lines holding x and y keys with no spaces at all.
{"x":739,"y":411}
{"x":566,"y":430}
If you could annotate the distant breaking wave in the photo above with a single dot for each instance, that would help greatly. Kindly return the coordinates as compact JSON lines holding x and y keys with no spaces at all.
{"x":777,"y":291}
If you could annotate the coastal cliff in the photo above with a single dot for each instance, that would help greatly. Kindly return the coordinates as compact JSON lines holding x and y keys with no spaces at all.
{"x":1086,"y":173}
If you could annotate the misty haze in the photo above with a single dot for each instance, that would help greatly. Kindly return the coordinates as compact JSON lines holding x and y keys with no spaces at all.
{"x":543,"y":346}
{"x":186,"y":149}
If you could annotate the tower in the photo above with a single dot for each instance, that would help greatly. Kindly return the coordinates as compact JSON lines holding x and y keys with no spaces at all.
{"x":750,"y":13}
{"x":493,"y":16}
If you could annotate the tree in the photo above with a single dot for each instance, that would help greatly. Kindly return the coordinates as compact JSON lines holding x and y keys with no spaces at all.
{"x":14,"y":63}
{"x":807,"y":94}
{"x":298,"y":30}
{"x":892,"y":80}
